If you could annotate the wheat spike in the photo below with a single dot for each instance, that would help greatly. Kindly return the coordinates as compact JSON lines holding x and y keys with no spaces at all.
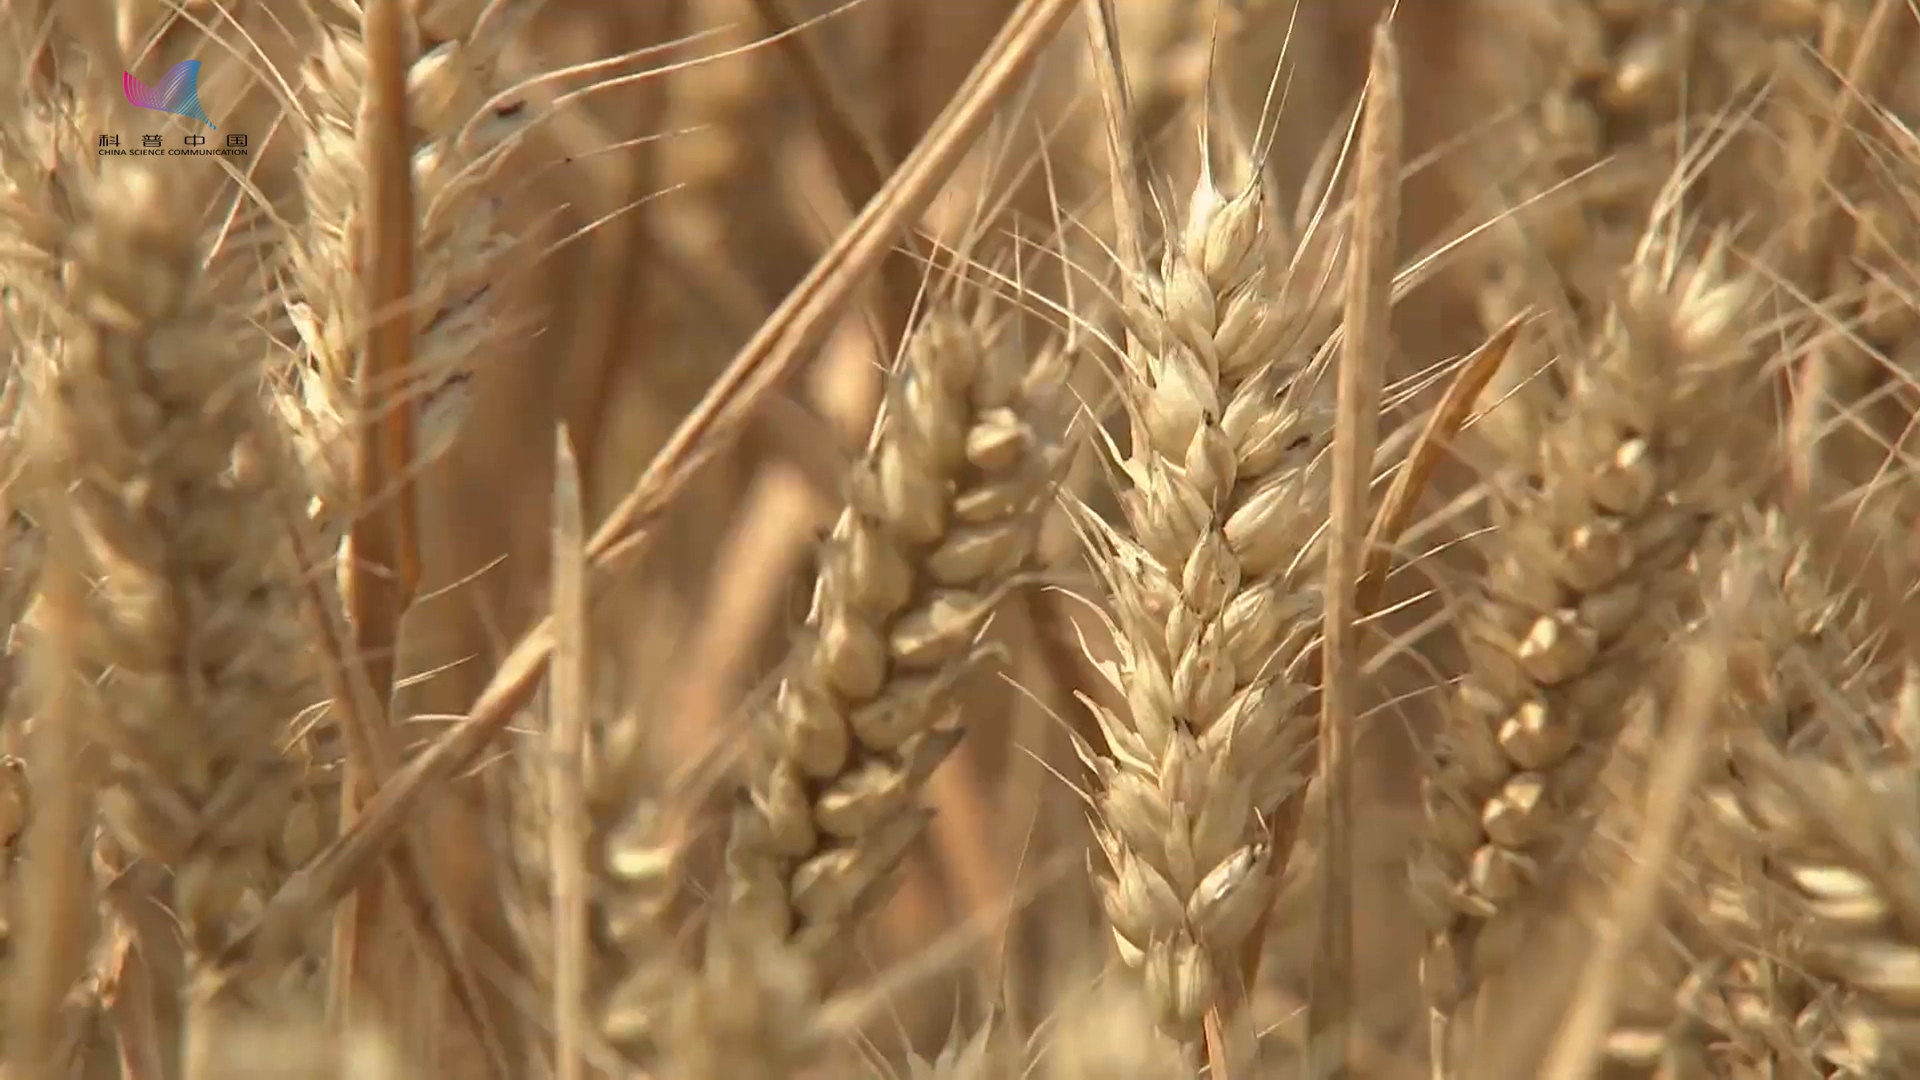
{"x":1803,"y":647}
{"x":1617,"y":92}
{"x":632,"y":853}
{"x":1838,"y":838}
{"x":942,"y":513}
{"x":1807,"y":809}
{"x":179,"y":493}
{"x":1586,"y":564}
{"x":457,"y":311}
{"x":1201,"y":769}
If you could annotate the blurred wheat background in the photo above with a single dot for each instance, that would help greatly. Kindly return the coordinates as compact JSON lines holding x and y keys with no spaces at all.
{"x":995,"y":538}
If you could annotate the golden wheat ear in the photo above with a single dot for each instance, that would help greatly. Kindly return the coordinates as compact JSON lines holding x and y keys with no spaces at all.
{"x":1839,"y":839}
{"x":630,"y":850}
{"x":943,"y":515}
{"x":187,"y":656}
{"x":458,"y":309}
{"x":1806,"y":849}
{"x":1747,"y":1003}
{"x":1594,"y":538}
{"x":1201,"y":774}
{"x":1608,"y":101}
{"x":1672,"y":1011}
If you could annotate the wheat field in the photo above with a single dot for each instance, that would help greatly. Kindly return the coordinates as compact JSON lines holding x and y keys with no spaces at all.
{"x":976,"y":540}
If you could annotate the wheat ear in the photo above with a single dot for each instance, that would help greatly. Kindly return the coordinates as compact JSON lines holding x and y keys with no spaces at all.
{"x":1200,"y":775}
{"x":1615,"y":88}
{"x":179,"y":492}
{"x":1583,"y":567}
{"x":1803,"y":648}
{"x":1609,"y":75}
{"x":595,"y":850}
{"x":1840,"y":839}
{"x":631,"y":851}
{"x":942,"y":513}
{"x":457,"y":310}
{"x":1709,"y":996}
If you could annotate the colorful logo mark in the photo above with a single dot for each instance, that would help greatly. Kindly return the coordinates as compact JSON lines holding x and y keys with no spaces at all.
{"x":177,"y":92}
